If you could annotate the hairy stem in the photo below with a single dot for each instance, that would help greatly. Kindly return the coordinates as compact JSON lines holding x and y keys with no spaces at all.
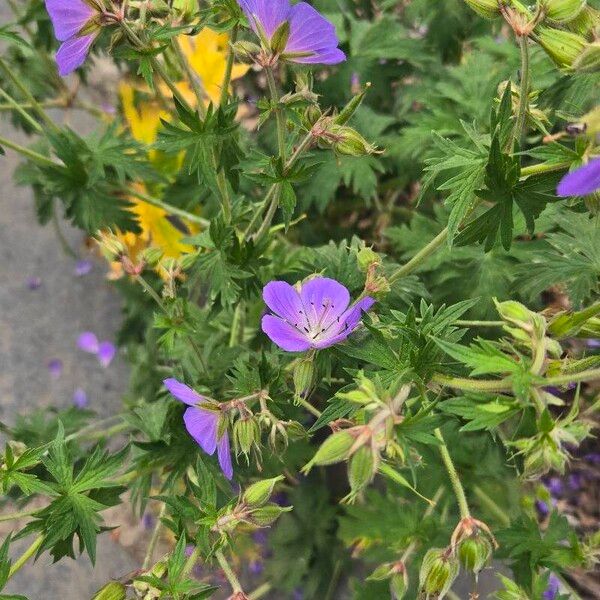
{"x":459,"y":491}
{"x":421,"y":256}
{"x":279,"y":114}
{"x":155,"y":537}
{"x":184,"y":214}
{"x":62,"y":240}
{"x":228,"y":67}
{"x":231,"y":576}
{"x":193,"y":77}
{"x":22,"y":560}
{"x":519,"y":129}
{"x":31,"y":154}
{"x":18,"y":515}
{"x":260,"y":591}
{"x":14,"y":105}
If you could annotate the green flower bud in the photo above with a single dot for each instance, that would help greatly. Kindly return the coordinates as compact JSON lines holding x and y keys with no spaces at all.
{"x":562,"y":11}
{"x":563,"y":47}
{"x":268,"y":514}
{"x":304,"y":374}
{"x":110,"y":245}
{"x":397,"y":575}
{"x":362,"y":468}
{"x":258,"y":493}
{"x":113,"y":590}
{"x":245,"y":434}
{"x":438,"y":571}
{"x":152,"y":256}
{"x":475,"y":552}
{"x":186,"y":7}
{"x":311,"y":115}
{"x":589,"y":60}
{"x":350,"y":142}
{"x":334,"y":449}
{"x":246,"y":51}
{"x":367,"y":257}
{"x":543,"y":457}
{"x":488,"y":9}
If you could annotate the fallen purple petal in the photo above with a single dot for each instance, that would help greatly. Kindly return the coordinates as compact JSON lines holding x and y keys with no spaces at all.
{"x":34,"y":283}
{"x":80,"y":398}
{"x":55,"y":367}
{"x":88,"y":342}
{"x":106,"y":353}
{"x":83,"y":267}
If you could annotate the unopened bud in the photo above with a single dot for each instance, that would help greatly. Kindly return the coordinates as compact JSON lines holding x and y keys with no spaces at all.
{"x":334,"y":449}
{"x":562,"y":11}
{"x":268,"y":514}
{"x":349,"y":142}
{"x":367,"y":257}
{"x":110,"y":245}
{"x":397,"y":576}
{"x":152,"y":256}
{"x":311,"y":115}
{"x":246,"y":51}
{"x":488,"y":9}
{"x":438,"y":571}
{"x":543,"y":457}
{"x":245,"y":434}
{"x":563,"y":47}
{"x":114,"y":590}
{"x":352,"y":106}
{"x":475,"y":552}
{"x":362,"y":468}
{"x":589,"y":60}
{"x":585,"y":23}
{"x":304,"y":374}
{"x":258,"y":493}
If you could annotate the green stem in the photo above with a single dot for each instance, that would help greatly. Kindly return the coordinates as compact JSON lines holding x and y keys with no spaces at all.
{"x":14,"y":105}
{"x":20,"y":562}
{"x":591,"y":375}
{"x":421,"y":256}
{"x":473,"y":385}
{"x":62,"y":240}
{"x":279,"y":115}
{"x":260,"y":591}
{"x":152,"y":293}
{"x":519,"y":128}
{"x":28,"y":95}
{"x":193,"y":77}
{"x":191,"y":561}
{"x":459,"y":491}
{"x":39,"y":158}
{"x":308,"y":406}
{"x":184,"y":214}
{"x":231,"y":576}
{"x":155,"y":537}
{"x":469,"y":323}
{"x":228,"y":67}
{"x":273,"y":205}
{"x":18,"y":515}
{"x":236,"y":325}
{"x":542,"y":168}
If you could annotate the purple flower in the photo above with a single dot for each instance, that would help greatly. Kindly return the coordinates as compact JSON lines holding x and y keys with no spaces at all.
{"x":553,"y":588}
{"x":317,"y":316}
{"x":55,"y":367}
{"x":76,"y":27}
{"x":80,"y":399}
{"x":34,"y":283}
{"x":582,"y":181}
{"x":106,"y":352}
{"x":555,"y":486}
{"x":256,"y":567}
{"x":312,"y":38}
{"x":203,"y":424}
{"x":82,"y":267}
{"x":593,"y":343}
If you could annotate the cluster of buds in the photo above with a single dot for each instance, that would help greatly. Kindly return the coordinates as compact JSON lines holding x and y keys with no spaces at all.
{"x":536,"y":116}
{"x":397,"y":576}
{"x":146,"y":591}
{"x":253,"y":508}
{"x":369,"y":262}
{"x":439,"y":569}
{"x":363,"y":445}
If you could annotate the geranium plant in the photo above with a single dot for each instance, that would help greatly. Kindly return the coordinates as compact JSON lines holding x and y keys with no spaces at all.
{"x":359,"y":254}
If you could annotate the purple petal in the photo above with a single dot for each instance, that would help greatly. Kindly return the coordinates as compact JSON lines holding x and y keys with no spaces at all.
{"x":183,"y":392}
{"x":80,"y":399}
{"x":283,"y":334}
{"x":88,"y":342}
{"x":106,"y":353}
{"x":582,"y":181}
{"x":324,"y":301}
{"x":55,"y":367}
{"x":284,"y":301}
{"x":34,"y":283}
{"x":269,"y":13}
{"x":68,"y":17}
{"x":224,"y":454}
{"x":354,"y":314}
{"x":348,"y":323}
{"x":72,"y":53}
{"x":202,"y":426}
{"x":332,"y":56}
{"x":82,"y":267}
{"x":553,"y":588}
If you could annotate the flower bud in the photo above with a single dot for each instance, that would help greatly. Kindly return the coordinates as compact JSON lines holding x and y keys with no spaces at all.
{"x":438,"y":571}
{"x":362,"y":468}
{"x":258,"y":493}
{"x":585,"y":23}
{"x":563,"y":47}
{"x":268,"y":514}
{"x":246,"y":51}
{"x":488,"y":9}
{"x":397,"y":576}
{"x":304,"y":374}
{"x":352,"y":106}
{"x":589,"y":60}
{"x":475,"y":552}
{"x":245,"y":434}
{"x":311,"y":116}
{"x":543,"y":457}
{"x":516,"y":313}
{"x":562,"y":11}
{"x":152,"y":256}
{"x":334,"y":449}
{"x":113,"y":590}
{"x":110,"y":245}
{"x":367,"y":257}
{"x":349,"y":142}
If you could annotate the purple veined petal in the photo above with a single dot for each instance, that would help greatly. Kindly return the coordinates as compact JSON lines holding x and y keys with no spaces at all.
{"x":88,"y":342}
{"x":224,"y":454}
{"x":269,"y":13}
{"x":582,"y":181}
{"x":202,"y":426}
{"x":82,"y":268}
{"x":183,"y":392}
{"x":283,"y":299}
{"x":72,"y":53}
{"x":324,"y":300}
{"x":55,"y":367}
{"x":106,"y":353}
{"x":354,"y":314}
{"x":283,"y":334}
{"x":68,"y":17}
{"x":332,"y":56}
{"x":309,"y":30}
{"x":80,"y":398}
